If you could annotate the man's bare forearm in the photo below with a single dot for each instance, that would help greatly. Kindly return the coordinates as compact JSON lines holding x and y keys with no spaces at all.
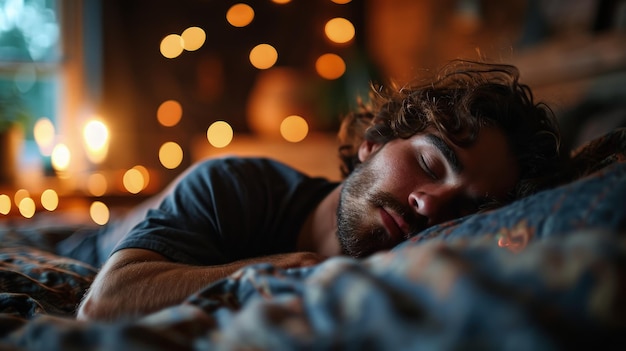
{"x":137,"y":282}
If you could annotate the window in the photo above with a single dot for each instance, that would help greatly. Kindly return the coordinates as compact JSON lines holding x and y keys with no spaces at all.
{"x":30,"y":57}
{"x":30,"y":54}
{"x":43,"y":69}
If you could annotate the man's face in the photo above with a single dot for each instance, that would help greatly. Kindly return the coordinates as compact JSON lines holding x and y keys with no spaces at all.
{"x":407,"y":185}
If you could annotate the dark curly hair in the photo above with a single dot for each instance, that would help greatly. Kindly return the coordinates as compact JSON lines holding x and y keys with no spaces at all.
{"x":464,"y":97}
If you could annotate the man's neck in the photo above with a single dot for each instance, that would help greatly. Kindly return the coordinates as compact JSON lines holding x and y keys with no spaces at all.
{"x":319,"y":232}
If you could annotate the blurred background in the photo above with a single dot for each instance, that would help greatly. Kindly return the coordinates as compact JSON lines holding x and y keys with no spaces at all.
{"x":107,"y":101}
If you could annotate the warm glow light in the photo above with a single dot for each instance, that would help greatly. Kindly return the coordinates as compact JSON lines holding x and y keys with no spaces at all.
{"x":49,"y":199}
{"x":96,"y":134}
{"x":294,"y":129}
{"x":5,"y":204}
{"x":27,"y":207}
{"x":60,"y":158}
{"x":169,"y":113}
{"x":240,"y":15}
{"x":193,"y":38}
{"x":172,"y":46}
{"x":339,"y":30}
{"x":96,"y":138}
{"x":133,"y":181}
{"x":44,"y":135}
{"x":99,"y":212}
{"x":170,"y":155}
{"x":20,"y":195}
{"x":144,"y":173}
{"x":281,"y":1}
{"x":330,"y":66}
{"x":219,"y":134}
{"x":341,"y":2}
{"x":263,"y":56}
{"x":97,"y":184}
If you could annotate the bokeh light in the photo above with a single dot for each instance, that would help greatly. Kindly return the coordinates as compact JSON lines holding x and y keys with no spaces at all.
{"x":5,"y":204}
{"x":193,"y":38}
{"x":170,"y":155}
{"x":49,"y":199}
{"x":263,"y":56}
{"x":27,"y":207}
{"x":294,"y":128}
{"x":60,"y":158}
{"x":172,"y":46}
{"x":96,"y":138}
{"x":144,"y":173}
{"x":20,"y":195}
{"x":219,"y":134}
{"x":341,"y":2}
{"x":97,"y":184}
{"x":281,"y":1}
{"x":43,"y":133}
{"x":169,"y":113}
{"x":240,"y":15}
{"x":339,"y":30}
{"x":99,"y":212}
{"x":330,"y":66}
{"x":133,"y":181}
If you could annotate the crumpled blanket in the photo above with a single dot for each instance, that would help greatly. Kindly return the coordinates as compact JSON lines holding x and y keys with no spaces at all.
{"x":33,"y":282}
{"x":557,"y":293}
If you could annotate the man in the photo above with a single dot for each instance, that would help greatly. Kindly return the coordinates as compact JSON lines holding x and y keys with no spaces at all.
{"x":418,"y":156}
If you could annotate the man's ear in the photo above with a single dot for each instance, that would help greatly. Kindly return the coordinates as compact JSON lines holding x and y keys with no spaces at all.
{"x":366,"y":149}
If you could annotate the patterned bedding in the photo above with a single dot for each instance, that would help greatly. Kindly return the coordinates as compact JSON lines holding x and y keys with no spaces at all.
{"x":546,"y":272}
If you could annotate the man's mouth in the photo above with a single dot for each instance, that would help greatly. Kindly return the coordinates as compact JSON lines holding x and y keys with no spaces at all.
{"x":397,"y":228}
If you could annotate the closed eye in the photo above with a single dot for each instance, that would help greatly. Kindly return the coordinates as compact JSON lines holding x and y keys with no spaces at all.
{"x":427,"y":168}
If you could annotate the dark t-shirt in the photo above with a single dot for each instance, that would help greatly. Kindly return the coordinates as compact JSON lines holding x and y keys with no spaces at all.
{"x":227,"y":209}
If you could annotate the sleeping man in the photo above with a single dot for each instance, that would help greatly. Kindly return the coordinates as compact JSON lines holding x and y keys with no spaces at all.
{"x":470,"y":139}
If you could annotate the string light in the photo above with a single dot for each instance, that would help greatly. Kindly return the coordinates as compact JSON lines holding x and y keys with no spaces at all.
{"x":43,"y":132}
{"x":240,"y":15}
{"x":339,"y":30}
{"x":172,"y":46}
{"x":330,"y":66}
{"x":193,"y":38}
{"x":99,"y":212}
{"x":263,"y":56}
{"x":169,"y":113}
{"x":27,"y":207}
{"x":220,"y":134}
{"x":294,"y":128}
{"x":5,"y":204}
{"x":49,"y":199}
{"x":97,"y":184}
{"x":170,"y":155}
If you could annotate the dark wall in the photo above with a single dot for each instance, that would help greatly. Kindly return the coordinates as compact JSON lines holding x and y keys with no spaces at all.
{"x":213,"y":82}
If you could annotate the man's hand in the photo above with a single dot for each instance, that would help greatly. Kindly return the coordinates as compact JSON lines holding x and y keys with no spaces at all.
{"x":290,"y":260}
{"x":135,"y":282}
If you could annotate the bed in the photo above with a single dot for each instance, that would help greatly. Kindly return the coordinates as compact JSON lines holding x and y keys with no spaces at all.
{"x":545,"y":272}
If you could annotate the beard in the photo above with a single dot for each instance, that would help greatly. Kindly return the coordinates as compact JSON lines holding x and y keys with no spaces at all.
{"x":358,"y":233}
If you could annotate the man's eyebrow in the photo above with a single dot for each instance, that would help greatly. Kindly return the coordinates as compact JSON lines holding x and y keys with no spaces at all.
{"x":447,"y":152}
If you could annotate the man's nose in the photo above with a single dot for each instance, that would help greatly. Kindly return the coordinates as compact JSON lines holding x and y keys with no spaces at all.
{"x":437,"y":207}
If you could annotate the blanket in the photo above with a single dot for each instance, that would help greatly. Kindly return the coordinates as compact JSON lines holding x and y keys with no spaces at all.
{"x":545,"y":272}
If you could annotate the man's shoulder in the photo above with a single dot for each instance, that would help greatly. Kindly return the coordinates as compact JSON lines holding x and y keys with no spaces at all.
{"x":245,"y":165}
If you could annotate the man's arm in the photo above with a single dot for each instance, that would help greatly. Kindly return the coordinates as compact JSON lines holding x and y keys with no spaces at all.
{"x":135,"y":282}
